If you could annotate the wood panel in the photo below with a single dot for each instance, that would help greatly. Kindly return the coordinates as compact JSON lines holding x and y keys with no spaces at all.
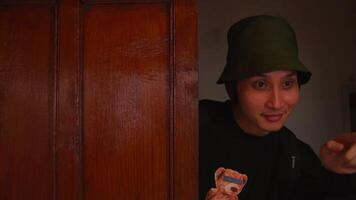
{"x":185,"y":100}
{"x":26,"y":102}
{"x":126,"y":99}
{"x":26,"y":2}
{"x":68,"y":141}
{"x":109,"y":113}
{"x":123,"y":1}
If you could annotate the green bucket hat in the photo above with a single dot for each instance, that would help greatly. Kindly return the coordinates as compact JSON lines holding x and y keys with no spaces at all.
{"x":262,"y":44}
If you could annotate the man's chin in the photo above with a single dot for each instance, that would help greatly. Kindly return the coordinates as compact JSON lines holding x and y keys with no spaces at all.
{"x":273,"y":128}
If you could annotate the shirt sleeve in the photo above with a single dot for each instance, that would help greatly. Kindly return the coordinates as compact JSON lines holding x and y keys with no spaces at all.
{"x":317,"y":183}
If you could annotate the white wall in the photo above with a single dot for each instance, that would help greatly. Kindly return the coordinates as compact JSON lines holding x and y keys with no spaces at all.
{"x":326,"y":33}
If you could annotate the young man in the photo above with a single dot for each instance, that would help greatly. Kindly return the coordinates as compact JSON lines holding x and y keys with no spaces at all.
{"x":263,"y":76}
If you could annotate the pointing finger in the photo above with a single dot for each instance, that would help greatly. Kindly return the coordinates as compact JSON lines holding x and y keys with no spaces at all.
{"x":334,"y":146}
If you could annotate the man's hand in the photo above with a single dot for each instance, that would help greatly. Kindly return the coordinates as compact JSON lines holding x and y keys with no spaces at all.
{"x":339,"y":155}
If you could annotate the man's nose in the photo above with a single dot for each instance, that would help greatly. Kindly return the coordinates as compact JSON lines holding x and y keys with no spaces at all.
{"x":275,"y":99}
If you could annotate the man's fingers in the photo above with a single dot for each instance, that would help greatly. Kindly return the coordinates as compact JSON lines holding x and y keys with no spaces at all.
{"x":350,"y":154}
{"x":349,"y":167}
{"x":352,"y":165}
{"x":339,"y":154}
{"x":348,"y":160}
{"x":346,"y":138}
{"x":334,"y":146}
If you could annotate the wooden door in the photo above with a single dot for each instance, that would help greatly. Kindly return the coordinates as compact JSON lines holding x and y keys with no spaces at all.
{"x":98,"y":99}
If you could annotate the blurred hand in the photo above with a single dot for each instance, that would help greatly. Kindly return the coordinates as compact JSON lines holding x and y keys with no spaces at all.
{"x":339,"y":155}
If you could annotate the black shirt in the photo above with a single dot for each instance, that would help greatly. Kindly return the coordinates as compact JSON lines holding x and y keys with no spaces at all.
{"x":266,"y":160}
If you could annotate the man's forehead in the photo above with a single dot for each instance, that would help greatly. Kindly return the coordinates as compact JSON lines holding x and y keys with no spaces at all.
{"x":286,"y":73}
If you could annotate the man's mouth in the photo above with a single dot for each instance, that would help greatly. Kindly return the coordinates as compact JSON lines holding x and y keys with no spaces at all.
{"x":275,"y":117}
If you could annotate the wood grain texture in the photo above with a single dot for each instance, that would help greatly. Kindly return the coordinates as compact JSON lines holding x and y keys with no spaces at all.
{"x":27,"y":2}
{"x":123,"y":1}
{"x":126,"y":102}
{"x":98,"y":100}
{"x":69,"y":107}
{"x":26,"y":102}
{"x":185,"y":100}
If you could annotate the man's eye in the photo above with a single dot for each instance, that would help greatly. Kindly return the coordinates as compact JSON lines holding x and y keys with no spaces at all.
{"x":260,"y":85}
{"x":288,"y":84}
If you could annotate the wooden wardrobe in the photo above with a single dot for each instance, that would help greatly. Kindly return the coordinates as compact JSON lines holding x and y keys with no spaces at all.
{"x":98,"y":100}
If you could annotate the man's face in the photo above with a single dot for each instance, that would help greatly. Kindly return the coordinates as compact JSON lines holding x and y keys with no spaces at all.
{"x":264,"y":102}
